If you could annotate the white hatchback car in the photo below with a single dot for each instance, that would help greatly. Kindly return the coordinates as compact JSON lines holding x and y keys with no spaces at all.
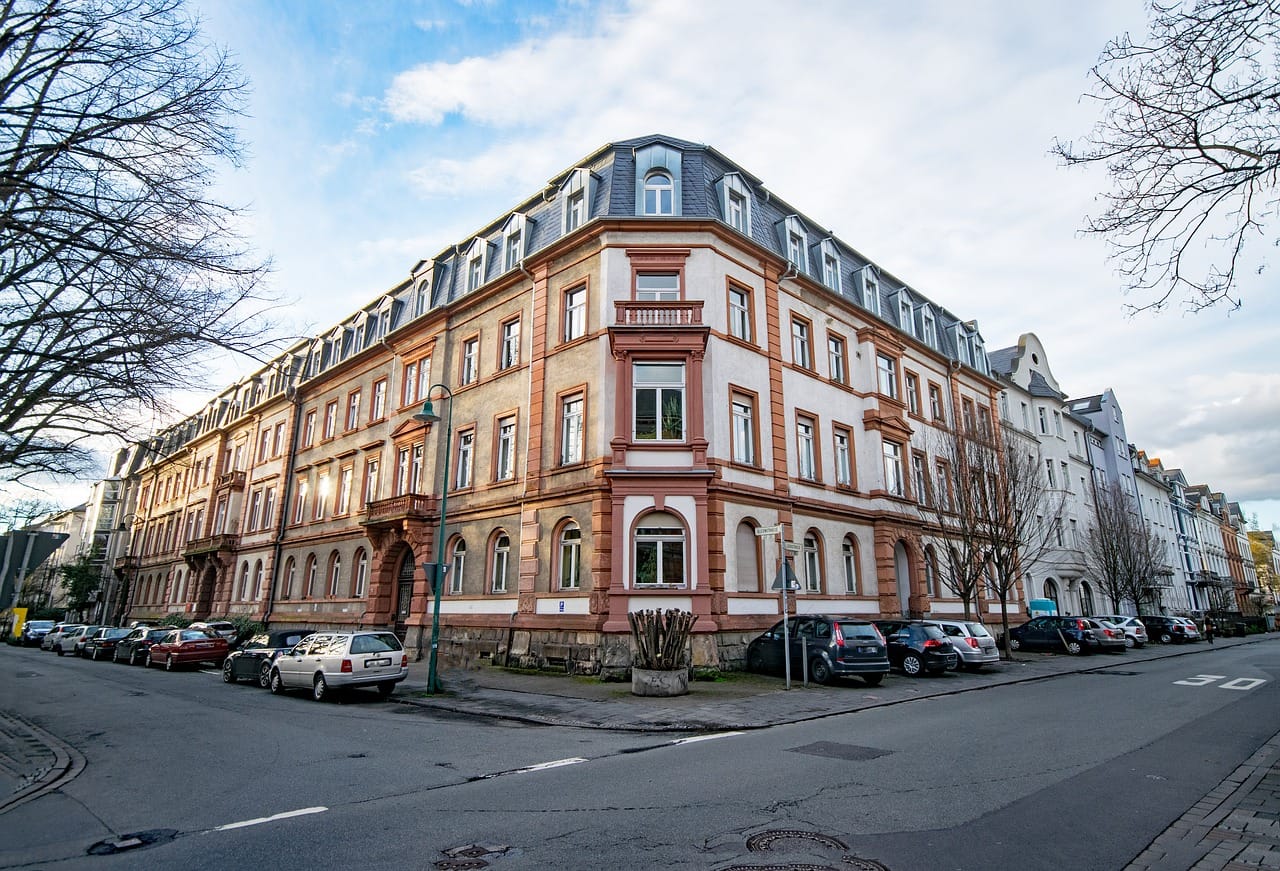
{"x":329,"y":662}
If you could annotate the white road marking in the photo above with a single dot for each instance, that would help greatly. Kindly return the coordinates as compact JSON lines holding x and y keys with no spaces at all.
{"x":271,"y":819}
{"x":1242,"y":683}
{"x":696,"y":738}
{"x":1200,"y":680}
{"x":541,"y":766}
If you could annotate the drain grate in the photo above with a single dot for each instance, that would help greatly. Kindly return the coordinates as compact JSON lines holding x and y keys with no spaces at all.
{"x":835,"y":750}
{"x":780,"y":868}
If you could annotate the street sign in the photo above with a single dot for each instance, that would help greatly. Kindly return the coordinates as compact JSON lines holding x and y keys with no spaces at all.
{"x":790,"y":547}
{"x":785,"y":572}
{"x":762,"y":531}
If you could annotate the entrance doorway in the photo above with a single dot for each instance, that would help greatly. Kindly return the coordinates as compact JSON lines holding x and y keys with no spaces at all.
{"x":404,"y":593}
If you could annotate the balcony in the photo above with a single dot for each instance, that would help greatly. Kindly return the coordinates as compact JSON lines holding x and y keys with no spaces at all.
{"x":126,"y":564}
{"x":231,"y":481}
{"x":409,"y":506}
{"x":680,"y":313}
{"x":210,"y":544}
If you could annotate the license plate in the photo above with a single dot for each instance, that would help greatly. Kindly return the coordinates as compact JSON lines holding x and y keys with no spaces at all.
{"x":868,"y":649}
{"x":374,"y":663}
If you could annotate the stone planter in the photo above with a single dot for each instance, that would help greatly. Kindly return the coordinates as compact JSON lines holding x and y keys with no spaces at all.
{"x":652,"y":682}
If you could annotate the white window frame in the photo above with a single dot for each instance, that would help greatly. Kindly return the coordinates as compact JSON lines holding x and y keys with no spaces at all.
{"x":742,"y":411}
{"x":893,"y":481}
{"x":501,"y":563}
{"x":663,"y":392}
{"x":572,"y":408}
{"x":662,"y":538}
{"x":570,"y":558}
{"x":740,"y":315}
{"x":510,"y":344}
{"x":843,"y":458}
{"x":806,"y":449}
{"x":658,"y":198}
{"x":470,"y":361}
{"x":466,"y":457}
{"x":505,"y":462}
{"x":887,"y":375}
{"x":575,"y":313}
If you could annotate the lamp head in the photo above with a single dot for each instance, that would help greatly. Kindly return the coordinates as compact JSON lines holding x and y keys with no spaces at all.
{"x":428,"y":414}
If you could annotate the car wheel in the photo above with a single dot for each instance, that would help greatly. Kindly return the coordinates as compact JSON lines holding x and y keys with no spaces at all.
{"x":228,"y":671}
{"x":93,"y":656}
{"x":58,"y":650}
{"x":147,"y":663}
{"x":134,"y":658}
{"x":169,"y":664}
{"x":819,"y":670}
{"x":1074,"y":648}
{"x":755,"y":661}
{"x":1014,"y":644}
{"x":873,"y":680}
{"x":320,"y":689}
{"x":276,"y":684}
{"x":1129,"y":642}
{"x":1165,"y":637}
{"x":386,"y":689}
{"x":264,"y":675}
{"x":913,"y":665}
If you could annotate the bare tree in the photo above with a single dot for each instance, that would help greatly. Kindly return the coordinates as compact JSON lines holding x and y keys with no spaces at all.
{"x":21,"y":513}
{"x":1124,"y":556}
{"x":999,"y":501}
{"x":1190,"y":138}
{"x":117,"y":269}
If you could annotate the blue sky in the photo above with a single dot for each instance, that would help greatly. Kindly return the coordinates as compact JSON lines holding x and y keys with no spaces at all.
{"x":382,"y":133}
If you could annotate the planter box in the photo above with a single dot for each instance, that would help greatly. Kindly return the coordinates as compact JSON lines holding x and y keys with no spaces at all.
{"x":651,"y":682}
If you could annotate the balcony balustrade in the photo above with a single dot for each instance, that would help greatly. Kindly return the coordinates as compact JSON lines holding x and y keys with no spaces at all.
{"x":680,"y":313}
{"x":210,"y":544}
{"x":411,"y":506}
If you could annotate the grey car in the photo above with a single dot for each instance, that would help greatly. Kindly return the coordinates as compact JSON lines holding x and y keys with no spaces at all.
{"x":971,"y":640}
{"x":1135,"y":634}
{"x":329,"y":662}
{"x":836,"y":646}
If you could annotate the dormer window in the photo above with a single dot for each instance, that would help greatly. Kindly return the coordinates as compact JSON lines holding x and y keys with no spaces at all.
{"x":735,"y":202}
{"x":475,"y":264}
{"x":796,"y":242}
{"x":868,"y":287}
{"x":513,"y":242}
{"x":577,"y":193}
{"x":575,"y":211}
{"x":830,"y":265}
{"x":659,"y":194}
{"x":930,"y":329}
{"x":906,"y":313}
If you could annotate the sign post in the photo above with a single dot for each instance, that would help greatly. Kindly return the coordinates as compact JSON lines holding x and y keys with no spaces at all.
{"x":783,"y":581}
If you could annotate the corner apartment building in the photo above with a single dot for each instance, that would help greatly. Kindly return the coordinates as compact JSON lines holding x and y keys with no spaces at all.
{"x":639,"y":367}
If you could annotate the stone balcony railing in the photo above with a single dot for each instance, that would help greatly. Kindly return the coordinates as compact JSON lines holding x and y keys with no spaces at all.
{"x":680,"y":313}
{"x":413,"y":506}
{"x":231,"y":480}
{"x":210,"y":544}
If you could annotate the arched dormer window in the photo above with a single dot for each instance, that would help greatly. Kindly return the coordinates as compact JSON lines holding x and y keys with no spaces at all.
{"x":659,"y":194}
{"x":658,"y":180}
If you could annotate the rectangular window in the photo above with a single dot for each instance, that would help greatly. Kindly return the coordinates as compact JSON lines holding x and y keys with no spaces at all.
{"x":893,"y":468}
{"x":1044,"y":421}
{"x":475,"y":273}
{"x":510,"y":352}
{"x":277,"y":446}
{"x":409,"y":389}
{"x":470,"y":361}
{"x":836,"y":359}
{"x":887,"y":375}
{"x":404,"y":457}
{"x":299,"y":501}
{"x":658,"y":286}
{"x":268,"y":506}
{"x":575,"y":313}
{"x":659,"y":555}
{"x":658,"y":401}
{"x":831,"y":271}
{"x":466,"y":448}
{"x":576,"y":211}
{"x":806,"y":449}
{"x":331,"y":419}
{"x":740,"y":314}
{"x":801,"y":354}
{"x":415,"y":468}
{"x":505,"y":461}
{"x":942,"y":480}
{"x":501,"y":559}
{"x":343,"y":502}
{"x":1053,"y":478}
{"x":1066,"y":477}
{"x":913,"y":392}
{"x":309,"y":429}
{"x":1057,"y":423}
{"x":353,"y":410}
{"x":378,"y":409}
{"x":935,"y":402}
{"x":743,"y":431}
{"x":255,"y":510}
{"x":571,"y":429}
{"x":1026,"y":417}
{"x":930,"y":330}
{"x":737,"y":209}
{"x":322,"y":495}
{"x":920,"y":479}
{"x":264,"y":444}
{"x":513,"y":250}
{"x":844,"y":459}
{"x":370,"y":481}
{"x":967,"y":414}
{"x":795,"y":248}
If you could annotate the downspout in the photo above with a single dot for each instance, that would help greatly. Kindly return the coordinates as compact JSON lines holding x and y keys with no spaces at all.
{"x":286,"y":491}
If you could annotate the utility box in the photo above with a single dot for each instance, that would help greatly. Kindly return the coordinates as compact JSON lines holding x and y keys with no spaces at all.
{"x":1043,"y":607}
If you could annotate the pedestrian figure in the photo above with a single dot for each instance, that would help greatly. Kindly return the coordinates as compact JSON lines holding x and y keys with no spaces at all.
{"x":1208,"y":631}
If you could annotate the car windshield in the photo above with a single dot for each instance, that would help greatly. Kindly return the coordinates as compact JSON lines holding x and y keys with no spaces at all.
{"x":978,"y":630}
{"x":157,"y":634}
{"x":115,"y":633}
{"x":194,"y":635}
{"x":859,"y":631}
{"x":40,"y":624}
{"x":374,"y":643}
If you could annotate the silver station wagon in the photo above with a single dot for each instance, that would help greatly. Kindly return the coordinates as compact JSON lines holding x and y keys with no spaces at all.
{"x":328,"y":663}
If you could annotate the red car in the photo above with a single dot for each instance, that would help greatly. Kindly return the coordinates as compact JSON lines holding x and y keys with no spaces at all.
{"x":183,"y":646}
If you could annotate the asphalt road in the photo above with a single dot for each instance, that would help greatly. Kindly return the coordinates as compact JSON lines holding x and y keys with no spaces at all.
{"x":1078,"y":771}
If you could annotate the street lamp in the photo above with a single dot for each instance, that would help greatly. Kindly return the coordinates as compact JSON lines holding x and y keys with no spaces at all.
{"x":428,"y":416}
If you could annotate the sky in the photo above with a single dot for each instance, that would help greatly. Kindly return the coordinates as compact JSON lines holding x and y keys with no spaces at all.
{"x":379,"y":134}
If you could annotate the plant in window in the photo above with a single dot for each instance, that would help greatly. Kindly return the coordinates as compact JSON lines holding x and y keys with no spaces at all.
{"x":672,"y":418}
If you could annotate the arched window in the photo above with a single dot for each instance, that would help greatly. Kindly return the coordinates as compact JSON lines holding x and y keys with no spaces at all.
{"x":177,"y":586}
{"x":849,"y":560}
{"x":659,"y":550}
{"x":902,"y":571}
{"x":335,"y":573}
{"x":1086,"y":597}
{"x":501,"y":562}
{"x":309,"y":583}
{"x":362,"y":573}
{"x":288,"y":579}
{"x":930,"y":572}
{"x":244,"y":582}
{"x":812,"y":553}
{"x":1051,"y":592}
{"x":659,"y":194}
{"x":570,"y":557}
{"x":459,"y":563}
{"x":747,"y":546}
{"x":257,"y":580}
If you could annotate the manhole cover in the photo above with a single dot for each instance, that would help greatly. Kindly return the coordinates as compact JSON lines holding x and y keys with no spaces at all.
{"x":460,"y":864}
{"x":132,"y":841}
{"x":764,"y":841}
{"x":835,"y":750}
{"x":780,"y":868}
{"x":864,"y":864}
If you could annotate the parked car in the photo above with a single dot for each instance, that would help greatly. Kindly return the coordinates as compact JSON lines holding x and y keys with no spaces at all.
{"x":179,"y":647}
{"x":1075,"y":635}
{"x":65,"y":642}
{"x":1193,"y":630}
{"x":836,"y":646}
{"x":133,"y":647}
{"x":1169,"y":630}
{"x":1112,"y":640}
{"x":254,"y":658}
{"x":55,"y":634}
{"x":973,"y":643}
{"x":34,"y":631}
{"x":334,"y":661}
{"x":221,"y":628}
{"x":85,"y":634}
{"x":1135,"y":633}
{"x":103,"y":642}
{"x":918,"y":647}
